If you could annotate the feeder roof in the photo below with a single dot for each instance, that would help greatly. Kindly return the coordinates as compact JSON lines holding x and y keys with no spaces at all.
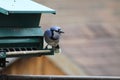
{"x":23,"y":6}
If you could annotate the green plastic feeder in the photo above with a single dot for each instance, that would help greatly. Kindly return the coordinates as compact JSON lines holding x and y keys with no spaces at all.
{"x":20,"y":33}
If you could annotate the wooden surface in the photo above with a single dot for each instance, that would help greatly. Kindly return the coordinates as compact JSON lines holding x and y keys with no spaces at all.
{"x":34,"y":66}
{"x":92,"y":33}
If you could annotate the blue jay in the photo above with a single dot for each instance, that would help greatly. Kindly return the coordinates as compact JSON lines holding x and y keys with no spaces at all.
{"x":52,"y":37}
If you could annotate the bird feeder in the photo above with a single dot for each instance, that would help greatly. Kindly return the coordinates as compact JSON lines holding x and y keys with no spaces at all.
{"x":20,"y":33}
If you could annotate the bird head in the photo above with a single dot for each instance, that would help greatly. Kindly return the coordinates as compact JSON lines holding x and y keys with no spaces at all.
{"x":56,"y":29}
{"x":56,"y":32}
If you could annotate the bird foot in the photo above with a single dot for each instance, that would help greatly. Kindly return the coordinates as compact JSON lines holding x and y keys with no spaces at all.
{"x":58,"y":51}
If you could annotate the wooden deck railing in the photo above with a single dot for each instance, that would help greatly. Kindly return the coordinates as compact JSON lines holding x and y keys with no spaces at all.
{"x":41,"y":77}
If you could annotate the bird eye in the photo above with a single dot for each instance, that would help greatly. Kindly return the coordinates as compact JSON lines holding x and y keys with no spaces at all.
{"x":59,"y":30}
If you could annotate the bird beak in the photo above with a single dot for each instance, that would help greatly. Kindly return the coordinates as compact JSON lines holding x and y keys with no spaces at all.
{"x":61,"y":32}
